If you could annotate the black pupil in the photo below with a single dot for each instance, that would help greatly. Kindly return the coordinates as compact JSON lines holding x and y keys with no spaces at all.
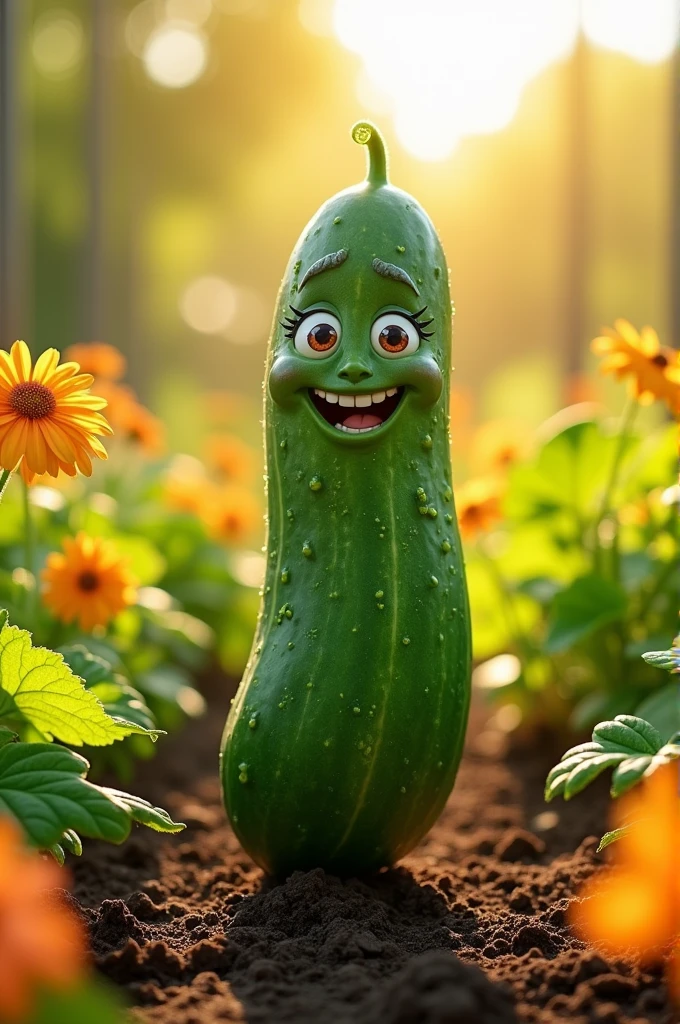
{"x":394,"y":337}
{"x":322,"y":336}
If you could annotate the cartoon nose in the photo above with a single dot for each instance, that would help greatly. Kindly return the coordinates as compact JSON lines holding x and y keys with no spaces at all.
{"x":355,"y":371}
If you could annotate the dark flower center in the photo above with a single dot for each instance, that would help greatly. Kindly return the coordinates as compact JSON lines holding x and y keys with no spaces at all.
{"x":88,"y":580}
{"x":660,"y":360}
{"x":32,"y":400}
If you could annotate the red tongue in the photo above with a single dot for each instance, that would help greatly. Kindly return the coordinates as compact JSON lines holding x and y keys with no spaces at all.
{"x":361,"y":419}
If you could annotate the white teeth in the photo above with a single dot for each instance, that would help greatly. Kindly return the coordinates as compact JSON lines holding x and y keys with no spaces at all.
{"x":356,"y":430}
{"x":362,"y":401}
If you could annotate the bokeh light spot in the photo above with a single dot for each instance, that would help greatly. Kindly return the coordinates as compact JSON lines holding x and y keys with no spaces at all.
{"x":57,"y":44}
{"x":175,"y":55}
{"x":209,"y":304}
{"x":647,"y":31}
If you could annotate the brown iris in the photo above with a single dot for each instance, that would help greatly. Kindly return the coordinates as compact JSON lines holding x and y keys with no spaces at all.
{"x":322,"y":337}
{"x":393,"y":338}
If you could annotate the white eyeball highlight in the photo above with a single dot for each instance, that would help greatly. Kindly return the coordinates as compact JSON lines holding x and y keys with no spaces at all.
{"x":318,"y":335}
{"x":394,"y":335}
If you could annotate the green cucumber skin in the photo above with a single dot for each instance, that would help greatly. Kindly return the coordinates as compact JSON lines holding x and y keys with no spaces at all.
{"x":344,"y":738}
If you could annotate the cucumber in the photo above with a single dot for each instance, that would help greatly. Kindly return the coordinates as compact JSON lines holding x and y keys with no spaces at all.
{"x":343,"y":741}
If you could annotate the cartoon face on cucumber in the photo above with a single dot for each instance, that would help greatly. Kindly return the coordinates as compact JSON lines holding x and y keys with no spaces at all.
{"x":364,"y":314}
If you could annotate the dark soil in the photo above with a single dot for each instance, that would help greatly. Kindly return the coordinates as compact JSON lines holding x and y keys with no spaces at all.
{"x":469,"y":929}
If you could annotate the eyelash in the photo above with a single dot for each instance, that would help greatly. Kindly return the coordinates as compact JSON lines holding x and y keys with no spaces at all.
{"x":291,"y":324}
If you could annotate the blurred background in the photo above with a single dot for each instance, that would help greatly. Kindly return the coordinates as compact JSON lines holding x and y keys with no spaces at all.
{"x":159,"y":159}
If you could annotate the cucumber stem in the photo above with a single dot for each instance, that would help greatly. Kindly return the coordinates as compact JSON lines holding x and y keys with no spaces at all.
{"x":366,"y":134}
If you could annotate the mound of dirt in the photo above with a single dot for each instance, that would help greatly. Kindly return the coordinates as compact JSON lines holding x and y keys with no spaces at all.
{"x":469,"y":929}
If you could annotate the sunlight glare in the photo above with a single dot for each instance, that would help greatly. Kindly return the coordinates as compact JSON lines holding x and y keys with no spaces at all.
{"x":454,"y":69}
{"x":209,"y":304}
{"x":644,"y":29}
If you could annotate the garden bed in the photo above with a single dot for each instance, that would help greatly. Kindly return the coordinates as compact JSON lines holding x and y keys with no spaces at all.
{"x":194,"y":933}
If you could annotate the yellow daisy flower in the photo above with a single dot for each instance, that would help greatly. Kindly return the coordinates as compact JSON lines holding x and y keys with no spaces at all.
{"x":654,"y":368}
{"x":89,"y":582}
{"x":48,"y":420}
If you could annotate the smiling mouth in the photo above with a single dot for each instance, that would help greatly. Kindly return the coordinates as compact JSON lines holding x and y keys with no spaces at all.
{"x":356,"y":414}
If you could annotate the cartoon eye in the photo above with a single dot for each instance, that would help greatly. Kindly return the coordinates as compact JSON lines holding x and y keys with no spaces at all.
{"x":394,"y":335}
{"x":317,"y":335}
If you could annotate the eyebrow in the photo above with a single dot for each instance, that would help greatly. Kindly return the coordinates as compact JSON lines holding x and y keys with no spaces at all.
{"x":327,"y":262}
{"x":394,"y":273}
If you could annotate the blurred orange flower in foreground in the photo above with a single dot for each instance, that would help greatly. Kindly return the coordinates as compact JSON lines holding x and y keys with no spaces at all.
{"x":654,"y":369}
{"x":99,"y":359}
{"x":231,"y":514}
{"x":41,"y":943}
{"x":48,"y":419}
{"x":89,"y":582}
{"x":478,"y":505}
{"x":231,"y":458}
{"x":636,"y":905}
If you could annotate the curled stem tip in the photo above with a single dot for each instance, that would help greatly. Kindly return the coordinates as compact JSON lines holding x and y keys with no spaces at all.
{"x":366,"y":134}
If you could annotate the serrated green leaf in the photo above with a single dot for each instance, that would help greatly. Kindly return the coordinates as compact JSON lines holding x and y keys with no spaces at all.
{"x":583,"y":607}
{"x":628,"y":773}
{"x":588,"y":771}
{"x":668,"y":660}
{"x":612,"y":837}
{"x":90,"y":667}
{"x":145,"y":813}
{"x":41,"y":686}
{"x":629,"y":735}
{"x":44,"y":788}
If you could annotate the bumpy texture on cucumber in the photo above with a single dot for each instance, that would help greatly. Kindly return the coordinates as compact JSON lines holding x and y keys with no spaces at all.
{"x":344,"y":739}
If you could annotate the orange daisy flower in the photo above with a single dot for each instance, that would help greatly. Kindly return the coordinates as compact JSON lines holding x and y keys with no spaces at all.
{"x":89,"y":582}
{"x":654,"y":368}
{"x":499,"y":444}
{"x":478,"y":505}
{"x":636,"y":905}
{"x":99,"y":359}
{"x":41,"y":942}
{"x":186,"y":486}
{"x":231,"y":514}
{"x":232,"y":458}
{"x":130,"y":419}
{"x":48,"y":419}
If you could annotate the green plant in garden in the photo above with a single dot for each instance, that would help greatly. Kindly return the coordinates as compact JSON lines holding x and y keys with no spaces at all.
{"x":43,"y":785}
{"x":576,"y":568}
{"x":634,"y":747}
{"x":344,"y":739}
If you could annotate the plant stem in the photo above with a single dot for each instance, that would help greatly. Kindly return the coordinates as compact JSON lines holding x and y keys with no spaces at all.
{"x":626,"y":423}
{"x":522,"y":642}
{"x":5,"y":474}
{"x":29,"y":555}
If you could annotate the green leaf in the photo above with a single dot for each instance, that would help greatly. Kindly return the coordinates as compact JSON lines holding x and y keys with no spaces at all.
{"x":43,"y":786}
{"x":630,"y":745}
{"x":612,"y":837}
{"x":40,"y":685}
{"x":586,"y":605}
{"x":91,"y":1001}
{"x":627,"y":734}
{"x":662,"y":710}
{"x":668,"y":660}
{"x":7,"y":736}
{"x":118,"y":697}
{"x":145,"y":813}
